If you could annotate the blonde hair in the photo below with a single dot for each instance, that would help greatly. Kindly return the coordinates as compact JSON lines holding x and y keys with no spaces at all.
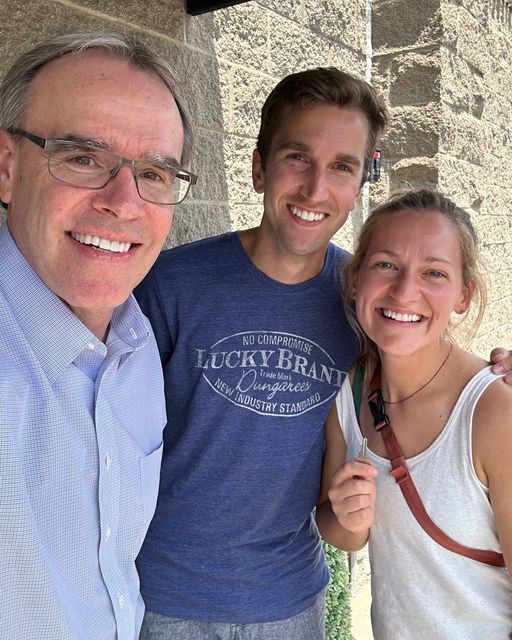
{"x":425,"y":201}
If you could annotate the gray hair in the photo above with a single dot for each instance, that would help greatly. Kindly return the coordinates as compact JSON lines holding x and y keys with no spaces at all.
{"x":15,"y":84}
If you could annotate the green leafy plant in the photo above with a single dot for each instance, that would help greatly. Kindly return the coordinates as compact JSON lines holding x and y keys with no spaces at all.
{"x":337,"y":605}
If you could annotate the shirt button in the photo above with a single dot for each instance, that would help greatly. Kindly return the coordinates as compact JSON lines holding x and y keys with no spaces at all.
{"x":108,"y":461}
{"x":91,"y":346}
{"x":121,"y":599}
{"x":108,"y":533}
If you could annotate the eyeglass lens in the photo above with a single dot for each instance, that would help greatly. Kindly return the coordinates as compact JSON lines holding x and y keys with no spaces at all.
{"x":88,"y":166}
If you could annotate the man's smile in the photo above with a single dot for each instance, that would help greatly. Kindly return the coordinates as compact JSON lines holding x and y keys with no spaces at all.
{"x":114,"y":246}
{"x":303,"y":214}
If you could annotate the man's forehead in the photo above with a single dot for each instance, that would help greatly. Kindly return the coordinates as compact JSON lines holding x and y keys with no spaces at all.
{"x":84,"y":75}
{"x":103,"y":98}
{"x":293,"y":113}
{"x":290,"y":131}
{"x":78,"y":71}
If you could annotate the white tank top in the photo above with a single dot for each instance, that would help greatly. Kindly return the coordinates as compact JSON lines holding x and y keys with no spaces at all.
{"x":421,"y":591}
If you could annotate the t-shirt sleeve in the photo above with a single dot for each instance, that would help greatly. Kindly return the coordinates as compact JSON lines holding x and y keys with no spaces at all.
{"x":149,"y":298}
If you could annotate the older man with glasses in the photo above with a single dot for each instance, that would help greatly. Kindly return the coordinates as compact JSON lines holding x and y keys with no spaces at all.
{"x":92,"y":141}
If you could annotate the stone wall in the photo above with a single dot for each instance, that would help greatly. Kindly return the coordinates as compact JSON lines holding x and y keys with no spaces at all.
{"x":443,"y":65}
{"x":445,"y":68}
{"x":227,"y":61}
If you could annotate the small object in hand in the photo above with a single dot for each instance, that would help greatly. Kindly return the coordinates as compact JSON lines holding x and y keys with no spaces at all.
{"x":363,"y":453}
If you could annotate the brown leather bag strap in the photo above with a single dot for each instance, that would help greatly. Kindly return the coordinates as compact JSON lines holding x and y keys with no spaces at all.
{"x":403,"y":478}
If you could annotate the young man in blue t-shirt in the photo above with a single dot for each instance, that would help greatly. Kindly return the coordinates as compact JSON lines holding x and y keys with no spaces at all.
{"x":255,"y":345}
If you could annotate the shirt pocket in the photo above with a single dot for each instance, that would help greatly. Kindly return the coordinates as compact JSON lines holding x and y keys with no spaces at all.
{"x":150,"y":481}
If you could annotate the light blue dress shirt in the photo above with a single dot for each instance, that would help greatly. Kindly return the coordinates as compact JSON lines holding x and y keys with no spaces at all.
{"x":80,"y":448}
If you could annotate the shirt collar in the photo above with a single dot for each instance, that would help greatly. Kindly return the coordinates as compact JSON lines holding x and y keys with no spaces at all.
{"x":53,"y":331}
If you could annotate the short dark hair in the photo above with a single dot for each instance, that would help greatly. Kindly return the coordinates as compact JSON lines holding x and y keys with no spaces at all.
{"x":324,"y":85}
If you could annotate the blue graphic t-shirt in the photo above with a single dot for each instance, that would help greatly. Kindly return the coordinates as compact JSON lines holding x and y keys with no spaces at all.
{"x":251,"y":368}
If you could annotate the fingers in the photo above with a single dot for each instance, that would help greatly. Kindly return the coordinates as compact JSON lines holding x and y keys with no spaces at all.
{"x":498,"y":354}
{"x":354,"y":468}
{"x":352,"y":495}
{"x":502,"y":359}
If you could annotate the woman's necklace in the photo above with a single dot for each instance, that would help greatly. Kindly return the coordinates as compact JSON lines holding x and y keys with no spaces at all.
{"x":426,"y":383}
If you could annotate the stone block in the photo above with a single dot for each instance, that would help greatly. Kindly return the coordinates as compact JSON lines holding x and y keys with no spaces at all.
{"x":345,"y":237}
{"x":196,"y":220}
{"x":497,"y":316}
{"x":415,"y":78}
{"x":412,"y":132}
{"x":498,"y":105}
{"x":460,"y":180}
{"x":414,"y":173}
{"x":209,"y":165}
{"x":379,"y":191}
{"x":165,"y":18}
{"x":489,"y":336}
{"x":25,"y":24}
{"x":381,"y":76}
{"x":346,"y":60}
{"x":494,"y":229}
{"x":461,"y":31}
{"x":462,"y":86}
{"x":402,"y":24}
{"x":293,"y":48}
{"x":245,"y":216}
{"x":497,"y":201}
{"x":288,"y":8}
{"x":248,"y":92}
{"x":497,"y":257}
{"x":240,"y":34}
{"x":497,"y":140}
{"x":478,"y":9}
{"x":498,"y":42}
{"x":344,"y":22}
{"x":238,"y":169}
{"x":199,"y":32}
{"x":461,"y":136}
{"x":200,"y":86}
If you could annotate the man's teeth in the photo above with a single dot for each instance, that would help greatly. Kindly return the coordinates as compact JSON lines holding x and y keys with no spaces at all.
{"x":307,"y":215}
{"x":401,"y":317}
{"x":102,"y":243}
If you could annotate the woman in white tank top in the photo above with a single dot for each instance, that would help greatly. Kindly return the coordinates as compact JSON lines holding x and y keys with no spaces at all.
{"x":415,"y":266}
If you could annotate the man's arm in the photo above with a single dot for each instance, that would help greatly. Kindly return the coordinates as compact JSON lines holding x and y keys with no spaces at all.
{"x":492,"y":451}
{"x":501,"y":358}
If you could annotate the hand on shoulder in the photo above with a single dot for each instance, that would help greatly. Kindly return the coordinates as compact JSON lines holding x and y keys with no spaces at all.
{"x":501,"y":359}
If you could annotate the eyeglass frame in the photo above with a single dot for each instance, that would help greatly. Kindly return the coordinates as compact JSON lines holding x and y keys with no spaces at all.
{"x":46,"y":144}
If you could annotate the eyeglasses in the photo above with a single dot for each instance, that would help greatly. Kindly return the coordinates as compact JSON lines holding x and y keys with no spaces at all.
{"x":86,"y":166}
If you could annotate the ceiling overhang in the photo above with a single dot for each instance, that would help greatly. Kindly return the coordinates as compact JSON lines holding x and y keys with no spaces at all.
{"x":196,"y":7}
